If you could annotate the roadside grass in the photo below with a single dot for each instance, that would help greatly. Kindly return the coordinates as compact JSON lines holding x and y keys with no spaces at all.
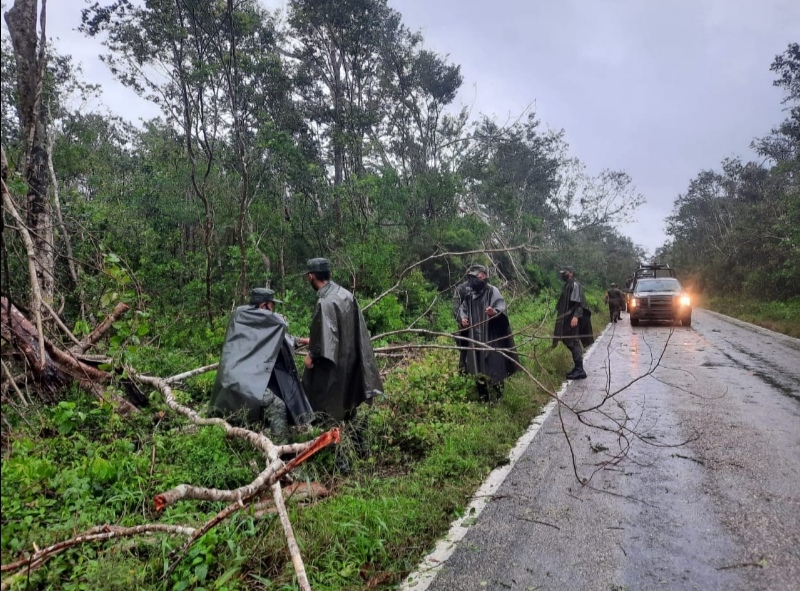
{"x":431,"y":442}
{"x":783,"y":317}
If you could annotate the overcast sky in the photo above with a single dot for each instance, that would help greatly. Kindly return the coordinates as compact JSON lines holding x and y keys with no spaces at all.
{"x":659,"y":89}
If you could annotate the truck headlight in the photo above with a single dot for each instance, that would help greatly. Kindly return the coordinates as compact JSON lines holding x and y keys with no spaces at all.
{"x":685,"y":301}
{"x":634,"y":302}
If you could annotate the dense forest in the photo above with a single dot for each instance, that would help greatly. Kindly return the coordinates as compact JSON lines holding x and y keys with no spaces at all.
{"x":333,"y":133}
{"x":328,"y":130}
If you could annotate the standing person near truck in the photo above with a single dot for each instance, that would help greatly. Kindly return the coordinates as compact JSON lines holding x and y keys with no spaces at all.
{"x":615,"y":300}
{"x":573,"y":322}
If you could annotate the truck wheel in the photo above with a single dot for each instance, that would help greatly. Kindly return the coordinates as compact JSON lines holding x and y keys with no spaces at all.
{"x":687,"y":320}
{"x":634,"y":321}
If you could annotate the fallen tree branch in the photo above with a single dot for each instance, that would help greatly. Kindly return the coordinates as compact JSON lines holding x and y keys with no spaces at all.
{"x":318,"y":444}
{"x":191,"y":373}
{"x":101,"y":329}
{"x":291,"y":542}
{"x":241,"y":497}
{"x":94,"y":534}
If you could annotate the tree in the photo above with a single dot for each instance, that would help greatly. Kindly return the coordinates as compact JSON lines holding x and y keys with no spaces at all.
{"x":30,"y":62}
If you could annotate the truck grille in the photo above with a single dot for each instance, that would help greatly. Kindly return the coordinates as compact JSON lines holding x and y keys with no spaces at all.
{"x":658,"y":305}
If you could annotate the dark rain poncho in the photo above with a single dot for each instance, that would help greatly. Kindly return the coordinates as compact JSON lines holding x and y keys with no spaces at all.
{"x":345,"y":373}
{"x":572,"y":302}
{"x":256,"y":354}
{"x":461,"y":291}
{"x":494,"y":331}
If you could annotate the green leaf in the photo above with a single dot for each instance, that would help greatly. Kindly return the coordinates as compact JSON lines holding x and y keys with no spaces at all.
{"x":103,"y":470}
{"x":226,"y":576}
{"x":201,"y":572}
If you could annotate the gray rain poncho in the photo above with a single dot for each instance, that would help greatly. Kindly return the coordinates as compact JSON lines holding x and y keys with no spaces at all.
{"x":257,"y":354}
{"x":494,"y":332}
{"x":345,"y":373}
{"x":572,"y":302}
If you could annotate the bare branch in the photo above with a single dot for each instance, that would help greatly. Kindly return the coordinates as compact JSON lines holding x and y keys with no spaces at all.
{"x":294,"y":550}
{"x":410,"y":268}
{"x":95,"y":534}
{"x":89,"y":341}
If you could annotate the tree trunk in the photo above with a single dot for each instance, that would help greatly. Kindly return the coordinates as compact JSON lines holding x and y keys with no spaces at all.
{"x":30,"y":59}
{"x":51,"y":367}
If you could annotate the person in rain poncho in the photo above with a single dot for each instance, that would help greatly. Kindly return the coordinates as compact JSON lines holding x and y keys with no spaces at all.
{"x":482,"y":316}
{"x":573,"y":322}
{"x":340,"y":368}
{"x":459,"y":293}
{"x":615,"y":300}
{"x":257,"y":381}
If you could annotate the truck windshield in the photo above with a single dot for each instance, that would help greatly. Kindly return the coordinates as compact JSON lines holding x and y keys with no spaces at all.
{"x":648,"y":285}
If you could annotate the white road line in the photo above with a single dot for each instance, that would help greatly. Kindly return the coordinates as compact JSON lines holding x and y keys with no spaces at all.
{"x":426,"y":571}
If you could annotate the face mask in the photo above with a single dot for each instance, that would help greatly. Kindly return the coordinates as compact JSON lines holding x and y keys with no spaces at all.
{"x":476,"y":283}
{"x":564,"y":277}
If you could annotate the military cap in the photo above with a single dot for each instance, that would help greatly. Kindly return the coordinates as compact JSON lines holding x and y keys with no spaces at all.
{"x":565,"y":268}
{"x":262,"y":294}
{"x":475,"y":269}
{"x":318,"y":265}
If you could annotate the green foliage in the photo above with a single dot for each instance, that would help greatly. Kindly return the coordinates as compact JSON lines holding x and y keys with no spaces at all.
{"x":780,"y":316}
{"x":430,"y":440}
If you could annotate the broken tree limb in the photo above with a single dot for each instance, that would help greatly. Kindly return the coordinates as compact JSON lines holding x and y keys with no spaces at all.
{"x":51,"y":368}
{"x":199,"y":493}
{"x":101,"y":329}
{"x":191,"y":373}
{"x":94,"y":534}
{"x":257,"y":440}
{"x":321,"y":442}
{"x":291,"y":542}
{"x":36,"y":292}
{"x":274,"y":471}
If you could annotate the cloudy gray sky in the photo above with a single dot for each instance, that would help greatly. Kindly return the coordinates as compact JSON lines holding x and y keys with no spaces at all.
{"x":659,"y":89}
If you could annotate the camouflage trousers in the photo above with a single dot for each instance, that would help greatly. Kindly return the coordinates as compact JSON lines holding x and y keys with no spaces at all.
{"x":275,"y":417}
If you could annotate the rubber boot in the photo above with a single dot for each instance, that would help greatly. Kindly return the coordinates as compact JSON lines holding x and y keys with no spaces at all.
{"x":577,"y":373}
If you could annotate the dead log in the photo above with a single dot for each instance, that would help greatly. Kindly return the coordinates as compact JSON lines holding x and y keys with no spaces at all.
{"x":59,"y":368}
{"x":90,"y":340}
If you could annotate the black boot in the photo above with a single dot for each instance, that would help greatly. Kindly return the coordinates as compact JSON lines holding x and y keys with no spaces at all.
{"x":577,"y":373}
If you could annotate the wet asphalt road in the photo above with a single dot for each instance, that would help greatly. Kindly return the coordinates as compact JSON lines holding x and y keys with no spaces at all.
{"x":706,"y":497}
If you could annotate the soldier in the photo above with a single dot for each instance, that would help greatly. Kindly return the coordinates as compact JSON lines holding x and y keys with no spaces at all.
{"x":615,"y":300}
{"x":459,"y":294}
{"x":482,"y":316}
{"x":340,"y":368}
{"x":257,"y":378}
{"x":573,"y":322}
